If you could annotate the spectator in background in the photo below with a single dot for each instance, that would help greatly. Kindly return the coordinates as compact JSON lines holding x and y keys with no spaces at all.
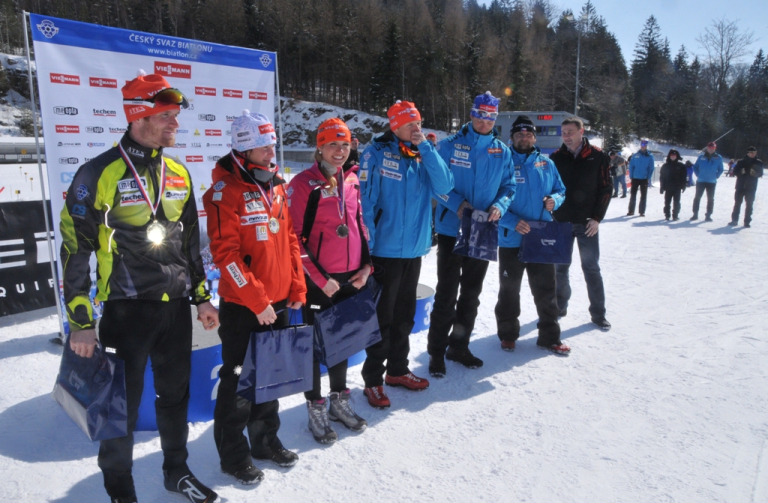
{"x":672,"y":181}
{"x":731,"y":164}
{"x":432,"y":137}
{"x":585,"y":172}
{"x":618,"y":174}
{"x":354,"y":155}
{"x":747,"y":172}
{"x":708,"y":168}
{"x":640,"y":172}
{"x":689,"y":173}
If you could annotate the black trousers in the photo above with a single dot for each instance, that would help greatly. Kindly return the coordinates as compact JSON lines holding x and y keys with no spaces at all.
{"x":749,"y":197}
{"x":669,"y":197}
{"x":641,"y":184}
{"x":317,"y":302}
{"x":398,"y":278}
{"x":234,"y":413}
{"x":700,"y":188}
{"x":541,"y":278}
{"x":162,"y":332}
{"x":454,"y":271}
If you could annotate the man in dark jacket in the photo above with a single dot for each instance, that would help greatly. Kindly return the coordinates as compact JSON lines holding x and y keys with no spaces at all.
{"x":585,"y":172}
{"x":672,"y":178}
{"x":747,"y":171}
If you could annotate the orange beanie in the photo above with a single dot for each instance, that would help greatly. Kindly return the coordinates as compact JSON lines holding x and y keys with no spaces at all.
{"x":333,"y":130}
{"x":402,"y":113}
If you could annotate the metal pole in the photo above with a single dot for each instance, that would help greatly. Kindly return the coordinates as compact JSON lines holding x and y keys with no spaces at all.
{"x":279,"y":113}
{"x":578,"y":65}
{"x":54,"y":272}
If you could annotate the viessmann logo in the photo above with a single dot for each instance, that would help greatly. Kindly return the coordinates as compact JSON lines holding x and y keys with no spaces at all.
{"x":254,"y":95}
{"x":100,"y":82}
{"x":67,"y":129}
{"x":173,"y":70}
{"x":213,"y":132}
{"x":65,"y":110}
{"x":205,"y":91}
{"x":61,"y":78}
{"x":232,"y":93}
{"x":194,"y":158}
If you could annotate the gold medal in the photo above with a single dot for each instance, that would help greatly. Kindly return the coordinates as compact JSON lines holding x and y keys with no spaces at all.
{"x":274,"y":225}
{"x":156,"y":233}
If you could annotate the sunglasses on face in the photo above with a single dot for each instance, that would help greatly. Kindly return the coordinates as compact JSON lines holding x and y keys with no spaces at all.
{"x":485,"y":115}
{"x":169,"y":96}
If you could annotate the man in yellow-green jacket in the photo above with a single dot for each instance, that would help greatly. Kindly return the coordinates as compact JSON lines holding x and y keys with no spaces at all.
{"x":135,"y":208}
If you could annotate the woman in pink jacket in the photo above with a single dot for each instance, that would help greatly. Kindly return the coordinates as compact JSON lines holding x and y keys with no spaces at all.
{"x":324,"y":202}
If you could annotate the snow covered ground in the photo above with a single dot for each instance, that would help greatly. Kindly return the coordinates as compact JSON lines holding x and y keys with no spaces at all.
{"x":669,"y":406}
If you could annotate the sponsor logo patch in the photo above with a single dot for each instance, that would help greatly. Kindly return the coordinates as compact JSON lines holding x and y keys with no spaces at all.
{"x":67,"y":129}
{"x":93,"y":129}
{"x":541,"y":164}
{"x":364,"y":175}
{"x":520,"y":179}
{"x":219,"y":185}
{"x":213,"y":132}
{"x":261,"y":233}
{"x":129,"y":184}
{"x":232,"y":93}
{"x":175,"y":181}
{"x":390,"y":164}
{"x":194,"y":158}
{"x":254,"y":206}
{"x":255,"y":95}
{"x":175,"y":195}
{"x":329,"y":192}
{"x":459,"y":154}
{"x":389,"y":174}
{"x":61,"y":78}
{"x":444,"y":197}
{"x":100,"y":82}
{"x":217,"y":196}
{"x":494,"y":150}
{"x":82,"y":192}
{"x":461,"y":146}
{"x":65,"y":110}
{"x":254,"y":219}
{"x":461,"y":164}
{"x":237,"y":276}
{"x":205,"y":91}
{"x":173,"y":70}
{"x":131,"y":198}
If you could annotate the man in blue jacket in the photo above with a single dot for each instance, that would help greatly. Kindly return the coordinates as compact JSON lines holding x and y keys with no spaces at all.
{"x":539,"y":191}
{"x":480,"y":163}
{"x":708,"y":168}
{"x":640,"y":172}
{"x":399,"y":173}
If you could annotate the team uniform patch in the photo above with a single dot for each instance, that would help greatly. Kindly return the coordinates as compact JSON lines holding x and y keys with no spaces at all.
{"x":289,"y":192}
{"x":237,"y":275}
{"x":520,"y":179}
{"x":219,"y":185}
{"x":254,"y":219}
{"x":254,"y":206}
{"x":389,"y":174}
{"x":494,"y":150}
{"x":175,"y":181}
{"x":444,"y":197}
{"x":461,"y":146}
{"x":131,"y":199}
{"x":460,"y":164}
{"x":315,"y":183}
{"x":364,"y":175}
{"x":329,"y":192}
{"x":390,"y":164}
{"x":176,"y":195}
{"x":460,"y":154}
{"x":261,"y":233}
{"x":130,"y":184}
{"x":82,"y":192}
{"x":366,"y":156}
{"x":541,"y":164}
{"x":217,"y":196}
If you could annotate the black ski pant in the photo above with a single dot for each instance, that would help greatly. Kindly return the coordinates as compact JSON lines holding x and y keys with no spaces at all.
{"x":669,"y":197}
{"x":454,"y":271}
{"x":748,"y":196}
{"x":642,"y":184}
{"x":162,"y":332}
{"x":399,"y":278}
{"x":541,"y":278}
{"x":233,"y":413}
{"x":700,"y":188}
{"x":317,"y":302}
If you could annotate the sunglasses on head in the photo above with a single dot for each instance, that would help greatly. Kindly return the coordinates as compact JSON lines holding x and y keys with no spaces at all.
{"x":485,"y":115}
{"x":169,"y":96}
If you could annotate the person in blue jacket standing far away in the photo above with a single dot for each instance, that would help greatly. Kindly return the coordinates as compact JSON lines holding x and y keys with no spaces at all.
{"x":708,"y":168}
{"x":480,"y":164}
{"x":399,"y":173}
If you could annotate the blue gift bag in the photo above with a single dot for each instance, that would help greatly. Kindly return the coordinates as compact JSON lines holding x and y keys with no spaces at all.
{"x":478,"y":238}
{"x":278,"y":363}
{"x":547,"y":243}
{"x":92,"y":393}
{"x":347,"y":327}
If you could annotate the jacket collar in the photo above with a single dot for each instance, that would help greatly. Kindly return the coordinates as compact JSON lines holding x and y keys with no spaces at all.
{"x":228,"y":164}
{"x":139,"y":154}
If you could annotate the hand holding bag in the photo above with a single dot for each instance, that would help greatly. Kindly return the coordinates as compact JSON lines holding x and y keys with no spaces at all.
{"x":547,"y":243}
{"x":478,"y":238}
{"x":92,"y":393}
{"x":278,"y":363}
{"x":348,"y":327}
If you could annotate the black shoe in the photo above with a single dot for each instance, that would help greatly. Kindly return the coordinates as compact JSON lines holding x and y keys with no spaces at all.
{"x":642,"y":214}
{"x":562,"y":313}
{"x":127,"y":499}
{"x":707,"y":219}
{"x":747,"y":225}
{"x":695,"y":217}
{"x":437,"y":366}
{"x":465,"y":357}
{"x":630,"y":214}
{"x":622,"y":197}
{"x":615,"y":195}
{"x":281,"y":457}
{"x":187,"y":485}
{"x":733,"y":223}
{"x":666,"y":218}
{"x":675,"y":219}
{"x":247,"y":476}
{"x":602,"y":323}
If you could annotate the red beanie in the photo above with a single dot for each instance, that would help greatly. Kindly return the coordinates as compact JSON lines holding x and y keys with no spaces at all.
{"x":143,"y":88}
{"x":402,"y":113}
{"x":333,"y":130}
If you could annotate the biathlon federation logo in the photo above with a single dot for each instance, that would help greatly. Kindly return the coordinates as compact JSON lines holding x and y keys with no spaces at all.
{"x":265,"y":59}
{"x":48,"y":29}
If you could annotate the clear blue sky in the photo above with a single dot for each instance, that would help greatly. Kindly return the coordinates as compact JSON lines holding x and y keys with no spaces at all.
{"x":681,"y":21}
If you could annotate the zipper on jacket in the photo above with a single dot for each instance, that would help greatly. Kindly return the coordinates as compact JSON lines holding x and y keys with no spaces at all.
{"x":376,"y":219}
{"x":319,"y":245}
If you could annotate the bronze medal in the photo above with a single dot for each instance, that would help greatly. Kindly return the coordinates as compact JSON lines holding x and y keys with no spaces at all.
{"x":342,"y":231}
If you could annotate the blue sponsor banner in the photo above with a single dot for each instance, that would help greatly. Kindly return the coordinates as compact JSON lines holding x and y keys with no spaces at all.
{"x":55,"y":30}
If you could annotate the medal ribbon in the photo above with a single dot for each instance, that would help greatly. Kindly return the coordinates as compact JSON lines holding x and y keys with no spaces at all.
{"x":159,"y":190}
{"x":267,"y":199}
{"x":342,"y":206}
